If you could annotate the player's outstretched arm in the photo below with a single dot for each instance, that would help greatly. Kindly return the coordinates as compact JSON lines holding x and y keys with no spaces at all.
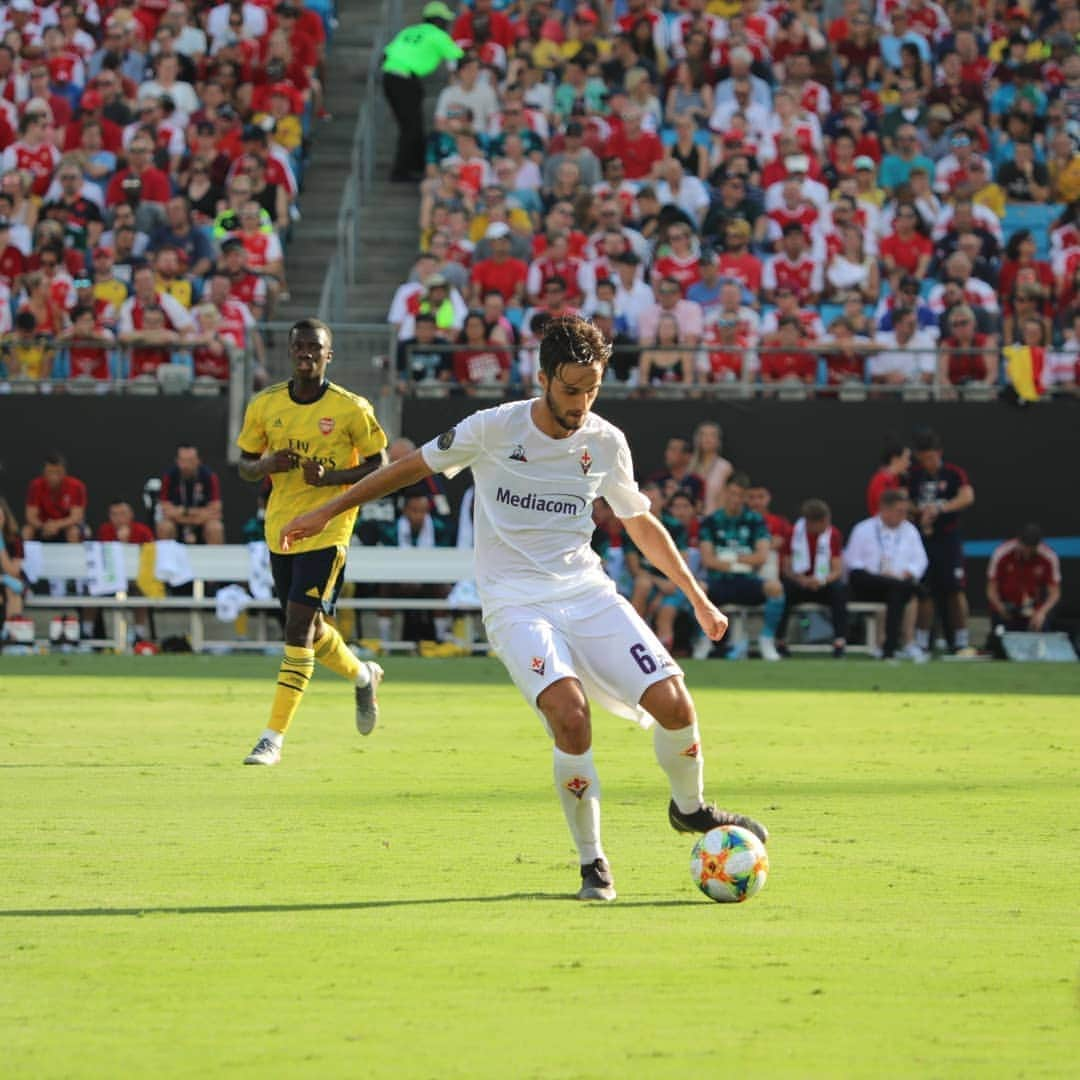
{"x":655,"y":543}
{"x":398,"y":474}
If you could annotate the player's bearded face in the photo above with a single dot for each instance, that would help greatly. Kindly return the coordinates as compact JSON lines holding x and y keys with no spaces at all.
{"x":570,"y":393}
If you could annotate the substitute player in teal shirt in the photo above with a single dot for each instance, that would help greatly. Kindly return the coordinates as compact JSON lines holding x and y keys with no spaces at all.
{"x":413,"y":54}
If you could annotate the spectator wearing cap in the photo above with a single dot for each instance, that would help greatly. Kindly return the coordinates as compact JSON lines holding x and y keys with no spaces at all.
{"x":935,"y":136}
{"x":952,"y":170}
{"x":500,"y":28}
{"x":116,"y":54}
{"x":244,"y":285}
{"x":688,"y":315}
{"x":91,"y":108}
{"x":500,"y":271}
{"x":440,"y":299}
{"x":414,"y":53}
{"x":896,"y":167}
{"x":796,"y":168}
{"x":468,"y":90}
{"x":107,"y":290}
{"x":633,"y":297}
{"x":906,"y":295}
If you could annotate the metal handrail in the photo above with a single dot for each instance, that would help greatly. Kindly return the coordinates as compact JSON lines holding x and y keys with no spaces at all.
{"x":341,"y":271}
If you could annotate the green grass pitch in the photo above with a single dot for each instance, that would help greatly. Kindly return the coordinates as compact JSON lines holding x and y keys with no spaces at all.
{"x":398,"y":906}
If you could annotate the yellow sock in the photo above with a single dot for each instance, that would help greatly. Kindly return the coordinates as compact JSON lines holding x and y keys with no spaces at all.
{"x":332,"y":652}
{"x":293,"y":676}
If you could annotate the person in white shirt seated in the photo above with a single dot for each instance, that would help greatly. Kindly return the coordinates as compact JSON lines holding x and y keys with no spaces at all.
{"x":885,"y":560}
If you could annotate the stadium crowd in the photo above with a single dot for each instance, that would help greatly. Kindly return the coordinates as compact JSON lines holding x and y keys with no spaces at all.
{"x":150,"y":159}
{"x":879,"y":195}
{"x":907,"y":554}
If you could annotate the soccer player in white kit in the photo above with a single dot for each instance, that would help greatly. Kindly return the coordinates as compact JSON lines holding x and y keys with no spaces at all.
{"x":551,"y":613}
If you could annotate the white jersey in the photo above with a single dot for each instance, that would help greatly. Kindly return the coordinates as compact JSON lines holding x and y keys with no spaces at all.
{"x":533,"y":501}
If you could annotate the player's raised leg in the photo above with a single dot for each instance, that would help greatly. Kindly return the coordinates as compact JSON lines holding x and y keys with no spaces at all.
{"x":566,"y":710}
{"x":332,"y":652}
{"x":677,"y":741}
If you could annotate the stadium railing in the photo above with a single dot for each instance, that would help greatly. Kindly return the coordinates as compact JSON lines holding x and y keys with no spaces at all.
{"x":341,"y":272}
{"x":232,"y":564}
{"x":745,"y":385}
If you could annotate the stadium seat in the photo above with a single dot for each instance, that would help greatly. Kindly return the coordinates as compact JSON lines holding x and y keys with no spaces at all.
{"x":174,"y":378}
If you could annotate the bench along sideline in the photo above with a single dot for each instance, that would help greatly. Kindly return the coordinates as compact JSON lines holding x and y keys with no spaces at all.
{"x":231,"y":563}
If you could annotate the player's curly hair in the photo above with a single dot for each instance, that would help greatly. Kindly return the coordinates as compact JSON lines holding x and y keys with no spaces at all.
{"x":572,"y":340}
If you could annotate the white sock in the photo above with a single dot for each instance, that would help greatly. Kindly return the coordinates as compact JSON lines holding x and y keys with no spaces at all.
{"x":922,"y":639}
{"x":276,"y":737}
{"x":961,"y":638}
{"x":579,"y":792}
{"x":363,"y":676}
{"x":680,"y":756}
{"x":386,"y":628}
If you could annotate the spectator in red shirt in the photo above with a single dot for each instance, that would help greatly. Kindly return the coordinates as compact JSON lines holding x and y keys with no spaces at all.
{"x":966,"y":356}
{"x":759,"y":499}
{"x":907,"y":250}
{"x":784,"y":356}
{"x":55,"y":505}
{"x":895,"y":462}
{"x":478,"y":361}
{"x":155,"y":184}
{"x":122,"y":527}
{"x":1023,"y":582}
{"x":812,"y":570}
{"x":500,"y":272}
{"x":640,"y":151}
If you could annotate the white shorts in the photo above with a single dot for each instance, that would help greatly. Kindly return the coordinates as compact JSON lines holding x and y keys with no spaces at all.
{"x":599,"y":640}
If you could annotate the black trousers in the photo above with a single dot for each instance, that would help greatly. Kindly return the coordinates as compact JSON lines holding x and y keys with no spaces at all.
{"x":834,"y":596}
{"x":406,"y":97}
{"x":893,"y":593}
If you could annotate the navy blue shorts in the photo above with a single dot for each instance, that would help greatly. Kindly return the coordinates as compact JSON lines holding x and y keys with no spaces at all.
{"x":311,"y":578}
{"x":945,"y":574}
{"x":745,"y":589}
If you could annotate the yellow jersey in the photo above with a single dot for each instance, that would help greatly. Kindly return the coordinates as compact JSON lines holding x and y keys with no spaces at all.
{"x":338,"y":429}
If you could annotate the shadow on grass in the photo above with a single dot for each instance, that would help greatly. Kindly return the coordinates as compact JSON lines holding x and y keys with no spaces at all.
{"x":344,"y":905}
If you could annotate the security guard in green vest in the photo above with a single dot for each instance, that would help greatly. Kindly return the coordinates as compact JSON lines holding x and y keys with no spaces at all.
{"x":415,"y":52}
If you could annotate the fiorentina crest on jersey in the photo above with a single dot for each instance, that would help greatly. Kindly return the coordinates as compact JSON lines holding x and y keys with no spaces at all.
{"x":518,"y":453}
{"x":326,"y":425}
{"x":538,"y":665}
{"x":585,"y":461}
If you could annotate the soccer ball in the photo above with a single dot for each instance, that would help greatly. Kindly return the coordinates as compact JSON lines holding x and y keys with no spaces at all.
{"x":729,"y":864}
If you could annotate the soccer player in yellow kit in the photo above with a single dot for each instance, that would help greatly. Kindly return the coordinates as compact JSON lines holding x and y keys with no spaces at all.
{"x":309,"y":435}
